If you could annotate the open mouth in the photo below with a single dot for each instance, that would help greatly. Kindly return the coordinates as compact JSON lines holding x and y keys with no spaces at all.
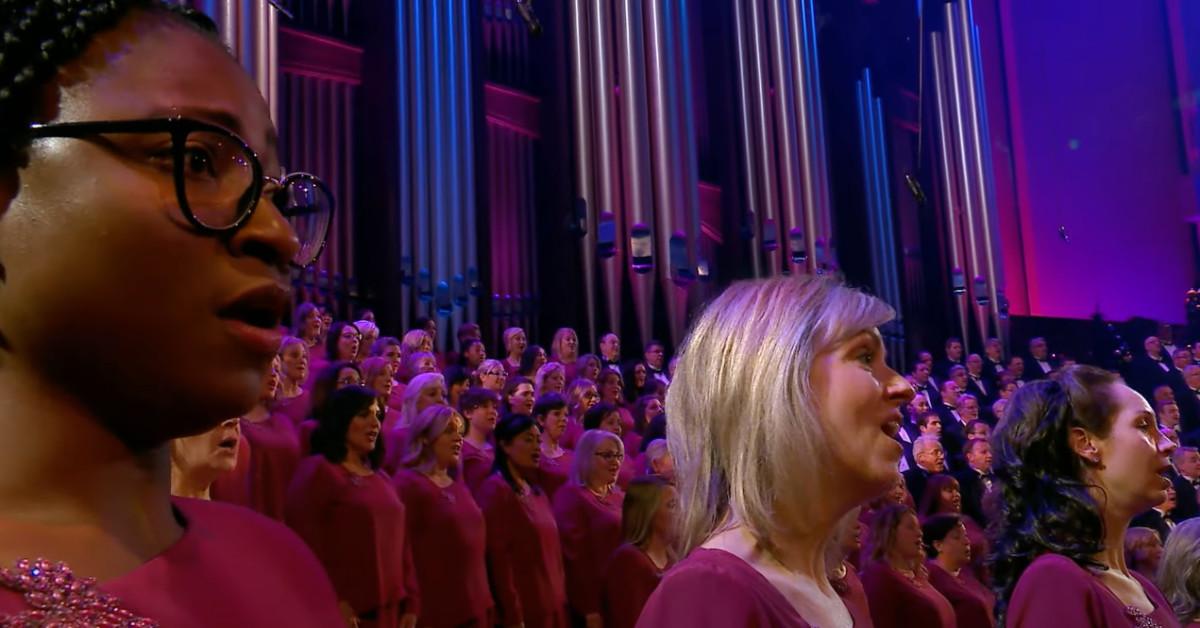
{"x":228,"y":443}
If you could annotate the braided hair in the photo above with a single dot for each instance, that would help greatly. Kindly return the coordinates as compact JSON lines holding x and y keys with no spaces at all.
{"x":37,"y":37}
{"x":1041,"y":502}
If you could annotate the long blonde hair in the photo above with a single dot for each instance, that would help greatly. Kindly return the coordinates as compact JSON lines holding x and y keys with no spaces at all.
{"x":408,"y":409}
{"x":744,"y":430}
{"x":425,"y":429}
{"x":1179,"y":570}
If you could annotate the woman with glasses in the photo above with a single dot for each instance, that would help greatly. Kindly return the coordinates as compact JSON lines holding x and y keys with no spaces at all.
{"x":588,"y":513}
{"x":524,"y":552}
{"x":445,"y":525}
{"x":605,"y":418}
{"x":348,"y":512}
{"x":139,"y":183}
{"x":491,"y":375}
{"x":342,"y":344}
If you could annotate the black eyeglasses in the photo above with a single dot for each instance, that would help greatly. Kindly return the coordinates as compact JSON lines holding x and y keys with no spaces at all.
{"x":219,"y":179}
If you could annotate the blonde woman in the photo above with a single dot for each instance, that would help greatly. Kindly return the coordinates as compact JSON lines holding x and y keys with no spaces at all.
{"x":635,"y":569}
{"x":550,"y":378}
{"x":514,"y":341}
{"x":1179,"y":572}
{"x":564,"y":349}
{"x":588,"y":513}
{"x":784,"y":415}
{"x":428,"y":389}
{"x":377,"y":375}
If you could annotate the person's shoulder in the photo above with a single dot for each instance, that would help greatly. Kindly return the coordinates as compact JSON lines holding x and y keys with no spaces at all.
{"x":715,"y":588}
{"x":1052,"y":574}
{"x":259,"y":539}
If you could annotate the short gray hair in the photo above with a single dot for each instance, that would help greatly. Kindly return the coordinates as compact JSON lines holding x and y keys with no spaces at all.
{"x":745,"y":433}
{"x":585,"y":450}
{"x":926,"y":442}
{"x":655,"y":451}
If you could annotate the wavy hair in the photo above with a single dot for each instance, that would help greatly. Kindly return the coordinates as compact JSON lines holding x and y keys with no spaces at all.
{"x":1179,"y":570}
{"x":1040,"y":502}
{"x":429,"y":425}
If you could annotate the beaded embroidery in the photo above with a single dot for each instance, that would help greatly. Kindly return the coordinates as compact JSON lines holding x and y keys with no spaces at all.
{"x":1140,"y":619}
{"x":57,"y":598}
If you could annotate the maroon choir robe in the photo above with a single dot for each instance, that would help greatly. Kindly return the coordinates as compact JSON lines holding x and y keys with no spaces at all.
{"x":356,"y":525}
{"x":233,"y":487}
{"x":524,"y":556}
{"x":972,"y":602}
{"x":231,"y":567}
{"x":899,"y":602}
{"x":850,"y":589}
{"x":295,"y":408}
{"x":274,"y":454}
{"x":629,"y":579}
{"x":555,"y":471}
{"x":476,"y":465}
{"x":1054,"y":591}
{"x":713,"y":588}
{"x":590,"y":528}
{"x":446,"y":529}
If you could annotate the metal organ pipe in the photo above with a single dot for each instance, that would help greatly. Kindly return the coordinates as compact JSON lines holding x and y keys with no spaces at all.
{"x":770,"y":228}
{"x":950,"y":187}
{"x":789,"y":157}
{"x":747,"y":140}
{"x":582,"y":119}
{"x":607,"y":187}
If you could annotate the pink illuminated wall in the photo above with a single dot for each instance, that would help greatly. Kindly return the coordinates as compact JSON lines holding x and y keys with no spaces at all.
{"x":1099,"y":198}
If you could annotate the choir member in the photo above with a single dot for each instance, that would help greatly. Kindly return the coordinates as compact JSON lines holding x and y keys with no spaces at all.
{"x":105,"y":259}
{"x":333,"y":376}
{"x":610,"y":351}
{"x":388,"y":347}
{"x":306,"y":325}
{"x":517,"y":397}
{"x":473,"y":355}
{"x":342,"y":345}
{"x":532,"y":361}
{"x":293,"y":399}
{"x":197,"y":461}
{"x":491,"y":375}
{"x":783,"y":419}
{"x":943,"y":496}
{"x":551,"y":378}
{"x":1077,"y":457}
{"x":1143,"y":551}
{"x":419,"y":363}
{"x":895,"y":578}
{"x":564,"y":349}
{"x":1179,"y":572}
{"x":659,"y":460}
{"x":655,"y":359}
{"x":550,"y":412}
{"x":950,"y":556}
{"x":637,"y":566}
{"x":514,"y":341}
{"x":588,"y":367}
{"x":348,"y":512}
{"x":457,"y":382}
{"x":606,"y":418}
{"x":428,"y":389}
{"x":415,"y":341}
{"x":581,"y":396}
{"x":480,"y":407}
{"x":846,"y":546}
{"x":588,"y":513}
{"x":377,"y":375}
{"x":635,"y":381}
{"x":274,"y":451}
{"x":445,"y":526}
{"x":647,"y":408}
{"x":524,"y":554}
{"x":612,"y":391}
{"x":370,"y":333}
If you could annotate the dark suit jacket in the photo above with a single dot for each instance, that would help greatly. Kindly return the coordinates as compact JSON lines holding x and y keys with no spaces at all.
{"x":1033,"y":371}
{"x":1154,"y":520}
{"x":916,"y":478}
{"x":1146,"y":374}
{"x":972,"y":488}
{"x":941,"y":368}
{"x":954,"y":436}
{"x":931,"y":393}
{"x":992,"y":369}
{"x":1185,"y":499}
{"x":977,"y":388}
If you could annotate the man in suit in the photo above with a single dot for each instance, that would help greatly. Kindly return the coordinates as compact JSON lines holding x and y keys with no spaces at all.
{"x":993,"y":363}
{"x":1189,"y":399}
{"x":1160,"y":518}
{"x":1040,"y":363}
{"x":1151,"y":369}
{"x":1187,"y":466}
{"x":1016,"y":369}
{"x":923,"y":384}
{"x":931,"y":459}
{"x":954,"y":356}
{"x":954,"y":429}
{"x":610,"y":351}
{"x":978,"y":381}
{"x":976,"y":480}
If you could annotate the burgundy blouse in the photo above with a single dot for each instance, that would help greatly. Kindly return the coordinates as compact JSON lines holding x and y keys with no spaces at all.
{"x":274,"y":454}
{"x":1054,"y":591}
{"x":590,"y":528}
{"x":851,"y":590}
{"x":555,"y":471}
{"x":628,"y":581}
{"x":476,"y":465}
{"x":972,"y":602}
{"x":898,"y":602}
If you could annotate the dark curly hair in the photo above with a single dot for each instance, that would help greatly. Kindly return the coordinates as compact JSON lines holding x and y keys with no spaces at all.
{"x":1040,"y":502}
{"x":329,"y":439}
{"x":37,"y":37}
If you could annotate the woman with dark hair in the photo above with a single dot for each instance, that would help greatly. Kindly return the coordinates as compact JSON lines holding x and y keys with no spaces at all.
{"x":1075,"y":459}
{"x":588,"y":513}
{"x":550,"y":413}
{"x":943,"y":496}
{"x":612,"y":392}
{"x":532,"y":360}
{"x":334,"y":376}
{"x":605,"y":418}
{"x":949,"y":554}
{"x":647,"y":408}
{"x":637,"y":566}
{"x":895,"y":578}
{"x":343,"y":343}
{"x":128,"y":204}
{"x":444,"y":524}
{"x":307,"y":326}
{"x":524,"y":554}
{"x":473,"y":355}
{"x":347,"y":510}
{"x":517,"y":397}
{"x":457,"y":381}
{"x":634,"y":376}
{"x":480,"y":408}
